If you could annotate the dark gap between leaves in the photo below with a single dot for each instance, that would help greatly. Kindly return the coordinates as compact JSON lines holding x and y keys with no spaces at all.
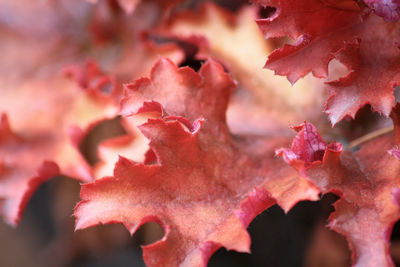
{"x":105,"y":130}
{"x":266,"y":12}
{"x":281,"y":240}
{"x":395,"y":244}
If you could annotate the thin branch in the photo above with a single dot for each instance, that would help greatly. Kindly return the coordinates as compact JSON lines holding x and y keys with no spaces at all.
{"x":369,"y":136}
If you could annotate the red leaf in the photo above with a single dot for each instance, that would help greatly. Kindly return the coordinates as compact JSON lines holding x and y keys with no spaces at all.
{"x":389,"y":9}
{"x":395,"y":152}
{"x":307,"y":146}
{"x":292,"y":18}
{"x":206,"y":186}
{"x":133,"y":145}
{"x":20,"y":173}
{"x":263,"y":100}
{"x":42,"y":119}
{"x":46,"y":111}
{"x":374,"y":74}
{"x":49,"y":114}
{"x":364,"y":180}
{"x":135,"y":57}
{"x":321,"y":28}
{"x":351,"y":38}
{"x":93,"y":80}
{"x":211,"y":80}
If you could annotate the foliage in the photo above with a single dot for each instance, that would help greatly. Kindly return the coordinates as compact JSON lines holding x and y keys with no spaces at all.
{"x":202,"y":145}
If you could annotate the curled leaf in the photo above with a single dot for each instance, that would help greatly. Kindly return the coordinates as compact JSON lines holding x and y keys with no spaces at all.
{"x":364,"y":180}
{"x":206,"y":185}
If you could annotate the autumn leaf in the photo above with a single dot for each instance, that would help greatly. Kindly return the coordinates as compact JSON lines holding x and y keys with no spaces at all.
{"x":132,"y":54}
{"x":133,"y":145}
{"x":206,"y":185}
{"x":49,"y":136}
{"x":263,"y":94}
{"x":364,"y":180}
{"x":154,"y":95}
{"x":19,"y":179}
{"x":319,"y":28}
{"x":91,"y":78}
{"x":387,"y":9}
{"x":133,"y":57}
{"x":353,"y":37}
{"x":395,"y":152}
{"x":373,"y":75}
{"x":46,"y":114}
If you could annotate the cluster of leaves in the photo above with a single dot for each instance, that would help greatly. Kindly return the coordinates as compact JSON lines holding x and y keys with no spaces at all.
{"x":204,"y":125}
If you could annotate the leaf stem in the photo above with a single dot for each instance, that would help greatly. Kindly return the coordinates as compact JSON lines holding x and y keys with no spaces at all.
{"x":370,"y":136}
